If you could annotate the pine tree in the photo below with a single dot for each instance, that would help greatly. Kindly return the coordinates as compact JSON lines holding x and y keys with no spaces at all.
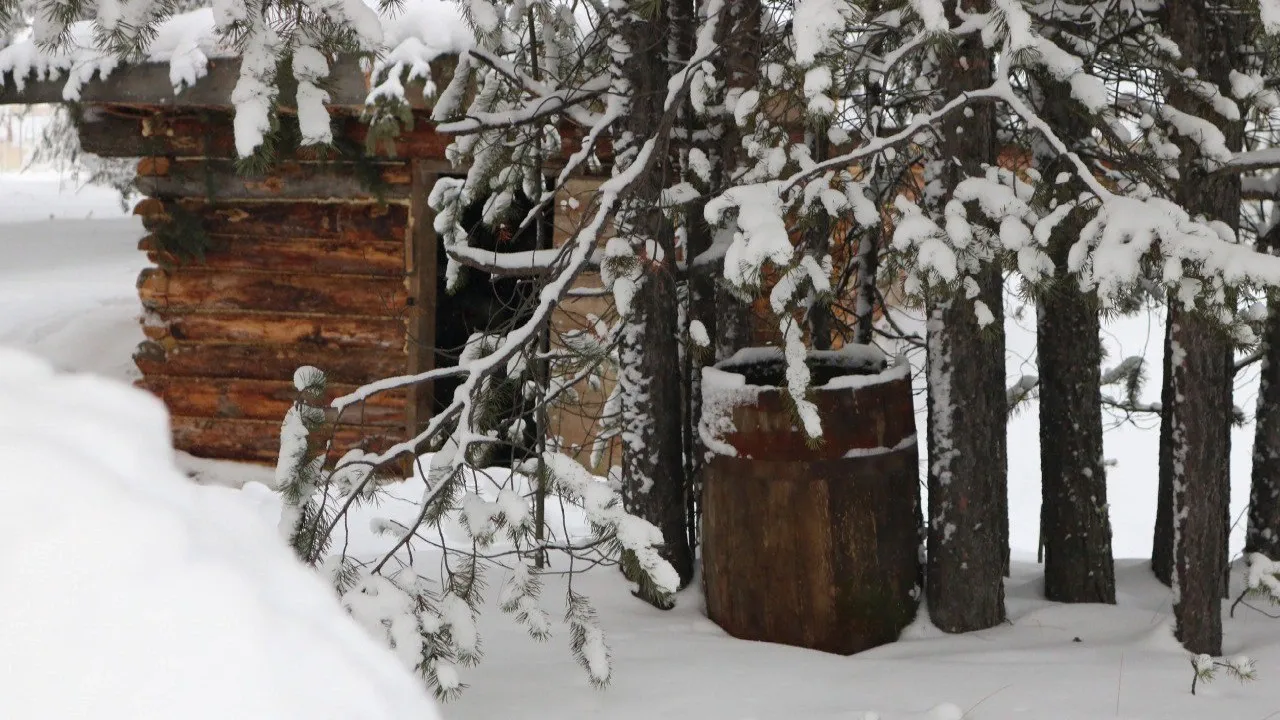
{"x":652,"y":409}
{"x":1263,"y":529}
{"x":1208,"y":36}
{"x":967,"y":515}
{"x":1075,"y":526}
{"x":1162,"y":535}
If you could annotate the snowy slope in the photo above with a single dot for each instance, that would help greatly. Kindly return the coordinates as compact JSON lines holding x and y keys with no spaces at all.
{"x":132,"y":593}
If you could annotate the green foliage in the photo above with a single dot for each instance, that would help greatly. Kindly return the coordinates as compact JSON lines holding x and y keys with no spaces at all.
{"x":387,"y":118}
{"x":645,"y":588}
{"x":183,"y":238}
{"x":586,"y":640}
{"x":1206,"y":668}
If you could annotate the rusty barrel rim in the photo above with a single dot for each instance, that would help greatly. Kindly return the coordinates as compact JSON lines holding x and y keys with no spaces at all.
{"x":863,"y":397}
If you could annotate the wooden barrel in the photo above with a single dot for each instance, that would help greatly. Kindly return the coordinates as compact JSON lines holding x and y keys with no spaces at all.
{"x":816,"y":546}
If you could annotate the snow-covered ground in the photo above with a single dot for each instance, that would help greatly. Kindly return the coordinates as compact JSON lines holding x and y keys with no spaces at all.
{"x":134,"y":594}
{"x":67,"y":269}
{"x":68,"y":264}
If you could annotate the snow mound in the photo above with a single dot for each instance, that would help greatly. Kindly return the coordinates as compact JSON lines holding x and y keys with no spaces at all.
{"x":133,"y":593}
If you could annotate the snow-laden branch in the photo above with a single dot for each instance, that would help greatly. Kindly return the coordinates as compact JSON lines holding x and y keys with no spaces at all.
{"x":554,"y":102}
{"x":524,"y":263}
{"x":538,"y":89}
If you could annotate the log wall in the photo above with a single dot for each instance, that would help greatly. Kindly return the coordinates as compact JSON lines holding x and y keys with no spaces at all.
{"x":305,"y":266}
{"x":224,"y":336}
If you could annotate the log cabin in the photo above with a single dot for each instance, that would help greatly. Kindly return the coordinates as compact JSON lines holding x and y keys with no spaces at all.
{"x":328,"y":260}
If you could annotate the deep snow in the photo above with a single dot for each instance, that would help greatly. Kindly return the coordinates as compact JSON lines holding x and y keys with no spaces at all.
{"x":134,"y":594}
{"x":67,"y":294}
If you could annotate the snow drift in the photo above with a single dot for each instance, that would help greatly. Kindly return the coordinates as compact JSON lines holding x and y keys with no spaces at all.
{"x":131,"y":592}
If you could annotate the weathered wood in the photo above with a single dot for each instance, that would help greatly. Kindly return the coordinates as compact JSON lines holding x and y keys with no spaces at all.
{"x":153,"y":166}
{"x":209,"y":134}
{"x":421,"y":250}
{"x":361,"y":222}
{"x":334,"y":331}
{"x":115,"y":131}
{"x":196,"y":289}
{"x":261,"y":399}
{"x":287,"y":255}
{"x":815,"y":547}
{"x":355,"y":366}
{"x":259,"y":440}
{"x":219,"y":180}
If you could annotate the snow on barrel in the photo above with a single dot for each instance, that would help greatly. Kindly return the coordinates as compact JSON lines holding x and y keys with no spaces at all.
{"x":811,"y":544}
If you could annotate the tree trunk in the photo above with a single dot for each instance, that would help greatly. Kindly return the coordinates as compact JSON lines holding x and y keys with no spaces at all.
{"x":968,"y":502}
{"x":868,"y":290}
{"x":967,"y":544}
{"x":1209,"y":37}
{"x":1162,"y":540}
{"x":1078,"y":566}
{"x":652,"y":410}
{"x":1201,"y":437}
{"x":1075,"y":528}
{"x":818,"y":240}
{"x":743,"y":22}
{"x":1263,"y":535}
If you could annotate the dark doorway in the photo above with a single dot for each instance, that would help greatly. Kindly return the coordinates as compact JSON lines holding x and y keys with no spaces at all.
{"x":490,"y":305}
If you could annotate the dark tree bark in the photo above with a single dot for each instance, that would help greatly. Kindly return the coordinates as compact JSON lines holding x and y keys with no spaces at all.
{"x":1209,"y":37}
{"x":734,"y":326}
{"x":1162,"y":537}
{"x":1075,"y":526}
{"x":1263,"y":534}
{"x":967,"y":542}
{"x":1201,"y":436}
{"x":726,"y":321}
{"x":652,"y":410}
{"x":818,"y":242}
{"x":868,"y":290}
{"x":1078,"y":565}
{"x":968,"y":518}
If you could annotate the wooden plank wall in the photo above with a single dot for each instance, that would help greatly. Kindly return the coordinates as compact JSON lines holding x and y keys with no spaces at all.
{"x":305,"y":266}
{"x":285,"y":283}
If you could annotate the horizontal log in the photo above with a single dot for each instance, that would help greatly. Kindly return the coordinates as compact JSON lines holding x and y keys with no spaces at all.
{"x":354,"y":366}
{"x":209,"y":134}
{"x":153,"y":166}
{"x":262,"y":399}
{"x":329,"y":331}
{"x":219,"y":180}
{"x":259,"y":440}
{"x":288,"y":255}
{"x":197,"y":289}
{"x":354,"y":222}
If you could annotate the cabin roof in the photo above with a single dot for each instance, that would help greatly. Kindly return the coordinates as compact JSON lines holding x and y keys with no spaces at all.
{"x":148,"y":85}
{"x":186,"y":64}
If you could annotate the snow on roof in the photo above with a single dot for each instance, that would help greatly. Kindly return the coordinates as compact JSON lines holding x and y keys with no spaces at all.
{"x":131,"y":592}
{"x":413,"y":35}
